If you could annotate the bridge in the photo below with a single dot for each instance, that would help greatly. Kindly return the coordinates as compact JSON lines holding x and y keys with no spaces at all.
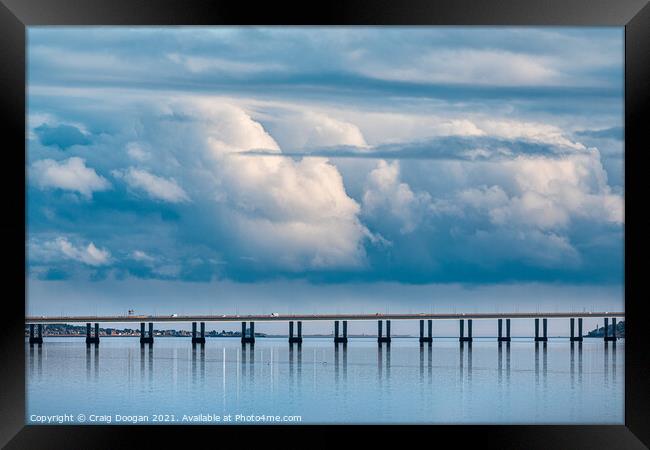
{"x":248,"y":333}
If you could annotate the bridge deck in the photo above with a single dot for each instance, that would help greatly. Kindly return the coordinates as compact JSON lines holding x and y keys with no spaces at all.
{"x":311,"y":317}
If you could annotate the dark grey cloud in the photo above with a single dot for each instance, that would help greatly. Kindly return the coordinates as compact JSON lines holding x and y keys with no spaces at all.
{"x":62,"y":136}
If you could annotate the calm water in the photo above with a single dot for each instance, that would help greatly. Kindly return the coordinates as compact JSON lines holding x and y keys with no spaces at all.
{"x":444,"y":383}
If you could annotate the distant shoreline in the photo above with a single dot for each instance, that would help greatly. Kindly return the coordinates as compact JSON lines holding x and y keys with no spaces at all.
{"x":316,"y":336}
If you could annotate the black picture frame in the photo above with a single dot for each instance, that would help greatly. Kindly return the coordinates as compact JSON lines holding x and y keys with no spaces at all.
{"x":16,"y":15}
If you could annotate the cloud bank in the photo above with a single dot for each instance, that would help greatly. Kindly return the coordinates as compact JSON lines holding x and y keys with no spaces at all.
{"x":429,"y":156}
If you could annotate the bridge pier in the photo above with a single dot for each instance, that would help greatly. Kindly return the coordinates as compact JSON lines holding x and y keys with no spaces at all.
{"x":144,"y":338}
{"x":341,"y":339}
{"x":380,"y":337}
{"x":575,"y":338}
{"x":201,"y":338}
{"x":544,"y":321}
{"x":295,"y":339}
{"x":250,"y":339}
{"x":580,"y":328}
{"x":501,"y":338}
{"x":462,"y":337}
{"x":428,"y":338}
{"x":539,"y":338}
{"x":609,"y":337}
{"x":92,"y":339}
{"x":38,"y":338}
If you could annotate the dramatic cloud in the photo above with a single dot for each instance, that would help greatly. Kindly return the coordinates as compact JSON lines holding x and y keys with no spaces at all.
{"x":329,"y":155}
{"x":70,"y":174}
{"x":296,"y":215}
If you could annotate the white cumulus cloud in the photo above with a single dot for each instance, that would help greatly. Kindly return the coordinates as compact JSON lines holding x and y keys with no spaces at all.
{"x":385,"y":193}
{"x":71,"y":174}
{"x":548,"y":193}
{"x":293,"y":214}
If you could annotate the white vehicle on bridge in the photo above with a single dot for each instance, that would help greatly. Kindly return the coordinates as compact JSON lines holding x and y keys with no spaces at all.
{"x":174,"y":315}
{"x":275,"y":315}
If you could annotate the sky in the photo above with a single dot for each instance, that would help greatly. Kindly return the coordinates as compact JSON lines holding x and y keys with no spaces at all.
{"x":324,"y":169}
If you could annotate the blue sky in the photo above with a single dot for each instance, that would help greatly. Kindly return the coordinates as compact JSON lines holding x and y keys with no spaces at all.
{"x":449,"y":161}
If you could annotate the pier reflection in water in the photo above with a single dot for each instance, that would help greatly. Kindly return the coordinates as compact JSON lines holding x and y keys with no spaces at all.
{"x":198,"y":367}
{"x":543,"y":372}
{"x":426,"y":353}
{"x":465,"y":360}
{"x":92,"y":362}
{"x":383,"y":361}
{"x":402,"y":382}
{"x":340,"y":361}
{"x":35,"y":361}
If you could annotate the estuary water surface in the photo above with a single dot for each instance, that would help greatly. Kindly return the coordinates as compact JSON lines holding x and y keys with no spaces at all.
{"x":444,"y":383}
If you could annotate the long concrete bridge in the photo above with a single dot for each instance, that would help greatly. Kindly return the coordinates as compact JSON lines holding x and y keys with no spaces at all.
{"x":248,"y":333}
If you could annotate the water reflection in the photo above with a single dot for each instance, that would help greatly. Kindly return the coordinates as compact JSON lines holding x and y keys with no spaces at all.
{"x":578,"y":360}
{"x":572,"y":363}
{"x":248,"y":361}
{"x":543,"y":371}
{"x":462,"y":361}
{"x":148,"y":350}
{"x":545,"y":366}
{"x":614,"y":362}
{"x":92,"y":362}
{"x":150,"y":364}
{"x":380,"y":362}
{"x":340,"y":352}
{"x":336,"y":363}
{"x":295,"y":361}
{"x":429,"y":354}
{"x":251,"y":358}
{"x":421,"y":362}
{"x":574,"y":386}
{"x":500,"y":362}
{"x":606,"y":363}
{"x":142,"y":361}
{"x":36,"y":360}
{"x":430,"y":362}
{"x":200,"y":352}
{"x":383,"y":361}
{"x":388,"y":361}
{"x":299,"y":358}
